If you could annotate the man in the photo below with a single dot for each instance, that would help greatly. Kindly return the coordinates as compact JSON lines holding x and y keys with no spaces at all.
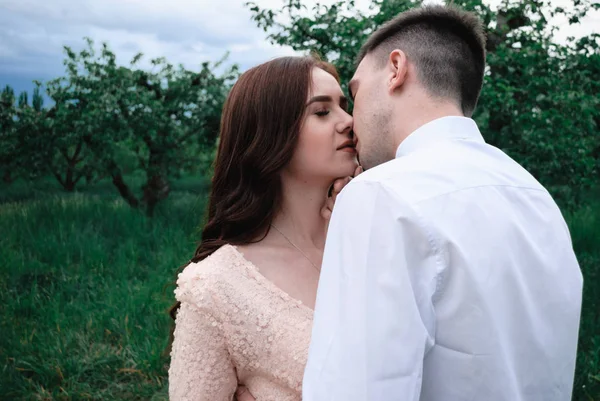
{"x":448,"y":272}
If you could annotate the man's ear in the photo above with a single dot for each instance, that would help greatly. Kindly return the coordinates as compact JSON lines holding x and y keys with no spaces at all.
{"x":397,"y":69}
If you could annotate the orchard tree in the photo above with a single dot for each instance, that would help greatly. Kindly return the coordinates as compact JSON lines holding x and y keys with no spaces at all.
{"x":122,"y":119}
{"x":8,"y":143}
{"x":23,"y":147}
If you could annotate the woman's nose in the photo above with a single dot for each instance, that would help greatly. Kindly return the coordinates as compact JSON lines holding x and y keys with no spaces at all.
{"x":345,"y":124}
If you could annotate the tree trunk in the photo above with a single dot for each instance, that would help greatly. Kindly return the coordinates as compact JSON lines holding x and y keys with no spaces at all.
{"x":69,"y":182}
{"x":71,"y":177}
{"x":119,"y":183}
{"x":156,"y":189}
{"x":157,"y":186}
{"x":112,"y":169}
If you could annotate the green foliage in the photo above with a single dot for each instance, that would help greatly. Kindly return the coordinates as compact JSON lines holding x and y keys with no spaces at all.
{"x":539,"y":104}
{"x":584,"y":224}
{"x":539,"y":101}
{"x":109,"y":120}
{"x":159,"y":121}
{"x":334,"y":32}
{"x":8,"y":138}
{"x":22,"y":131}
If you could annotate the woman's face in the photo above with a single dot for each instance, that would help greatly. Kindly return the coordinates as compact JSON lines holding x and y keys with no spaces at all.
{"x":326,"y":147}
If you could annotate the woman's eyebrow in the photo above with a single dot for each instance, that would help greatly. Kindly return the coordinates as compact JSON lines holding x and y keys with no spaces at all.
{"x":325,"y":98}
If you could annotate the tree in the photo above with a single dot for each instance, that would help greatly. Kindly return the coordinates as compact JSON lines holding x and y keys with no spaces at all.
{"x":535,"y":90}
{"x":160,"y":121}
{"x":66,"y":156}
{"x":187,"y":108}
{"x":7,"y":133}
{"x":21,"y":128}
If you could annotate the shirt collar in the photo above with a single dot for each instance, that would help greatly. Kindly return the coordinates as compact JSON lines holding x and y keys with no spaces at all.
{"x":445,"y":128}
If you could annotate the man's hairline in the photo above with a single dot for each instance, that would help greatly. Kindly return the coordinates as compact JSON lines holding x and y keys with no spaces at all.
{"x":378,"y":67}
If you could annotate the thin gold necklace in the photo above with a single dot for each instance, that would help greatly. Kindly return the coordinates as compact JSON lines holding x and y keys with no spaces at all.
{"x":299,"y":250}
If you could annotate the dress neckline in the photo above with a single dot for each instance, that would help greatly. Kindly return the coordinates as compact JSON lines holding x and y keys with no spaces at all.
{"x":268,"y":283}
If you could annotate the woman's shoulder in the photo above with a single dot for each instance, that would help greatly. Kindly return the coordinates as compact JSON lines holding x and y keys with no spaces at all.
{"x":199,"y":279}
{"x":215,"y":264}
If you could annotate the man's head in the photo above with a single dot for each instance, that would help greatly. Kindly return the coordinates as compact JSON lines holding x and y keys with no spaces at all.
{"x":424,"y":64}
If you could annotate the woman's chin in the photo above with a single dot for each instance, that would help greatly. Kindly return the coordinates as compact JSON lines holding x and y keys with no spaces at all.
{"x":347,"y":169}
{"x":353,"y":165}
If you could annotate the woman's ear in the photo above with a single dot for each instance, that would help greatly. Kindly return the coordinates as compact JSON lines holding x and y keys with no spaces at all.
{"x":398,"y":69}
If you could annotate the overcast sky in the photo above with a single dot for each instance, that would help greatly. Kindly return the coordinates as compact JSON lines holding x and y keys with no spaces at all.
{"x":33,"y":32}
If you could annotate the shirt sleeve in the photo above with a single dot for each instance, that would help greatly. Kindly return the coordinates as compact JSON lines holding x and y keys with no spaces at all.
{"x":201,"y":367}
{"x":374,"y":319}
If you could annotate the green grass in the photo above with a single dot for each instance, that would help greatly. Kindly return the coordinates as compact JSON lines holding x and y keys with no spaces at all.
{"x":585,"y":232}
{"x":83,"y":298}
{"x":82,"y":289}
{"x":22,"y":190}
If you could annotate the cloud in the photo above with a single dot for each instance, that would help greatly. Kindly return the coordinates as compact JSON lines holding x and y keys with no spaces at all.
{"x":33,"y":32}
{"x":187,"y":20}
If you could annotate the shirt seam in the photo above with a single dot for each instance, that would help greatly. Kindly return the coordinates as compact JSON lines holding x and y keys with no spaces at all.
{"x":477,"y":187}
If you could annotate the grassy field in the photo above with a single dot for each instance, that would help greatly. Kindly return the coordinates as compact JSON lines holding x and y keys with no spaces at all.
{"x":82,"y":289}
{"x":84,"y":299}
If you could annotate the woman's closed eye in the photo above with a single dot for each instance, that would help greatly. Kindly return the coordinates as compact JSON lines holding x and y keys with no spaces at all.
{"x":322,"y":112}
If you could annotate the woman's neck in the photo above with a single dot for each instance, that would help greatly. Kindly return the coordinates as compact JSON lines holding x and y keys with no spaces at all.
{"x":299,"y":217}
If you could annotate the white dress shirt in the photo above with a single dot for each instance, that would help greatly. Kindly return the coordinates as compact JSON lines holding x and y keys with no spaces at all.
{"x":448,"y":275}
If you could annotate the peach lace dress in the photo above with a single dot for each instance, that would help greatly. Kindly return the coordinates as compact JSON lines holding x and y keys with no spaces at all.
{"x":235,"y":326}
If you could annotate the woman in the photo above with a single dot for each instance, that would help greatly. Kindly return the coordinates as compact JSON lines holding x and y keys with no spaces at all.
{"x":247,"y":297}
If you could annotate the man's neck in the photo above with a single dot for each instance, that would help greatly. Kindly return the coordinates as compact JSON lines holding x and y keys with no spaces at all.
{"x":419,"y":115}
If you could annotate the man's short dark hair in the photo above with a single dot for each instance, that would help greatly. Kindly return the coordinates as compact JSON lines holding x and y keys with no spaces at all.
{"x":445,"y":43}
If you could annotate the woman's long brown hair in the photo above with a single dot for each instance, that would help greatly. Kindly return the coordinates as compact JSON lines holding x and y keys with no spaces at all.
{"x":260,"y":124}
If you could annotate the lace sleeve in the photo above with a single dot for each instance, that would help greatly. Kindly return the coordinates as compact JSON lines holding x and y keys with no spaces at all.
{"x":201,"y":367}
